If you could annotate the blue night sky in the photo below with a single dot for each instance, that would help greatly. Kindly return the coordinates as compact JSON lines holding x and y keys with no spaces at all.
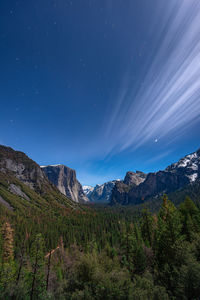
{"x":102,"y":86}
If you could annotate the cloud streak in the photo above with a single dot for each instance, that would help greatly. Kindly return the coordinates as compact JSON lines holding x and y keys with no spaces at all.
{"x":168,"y":98}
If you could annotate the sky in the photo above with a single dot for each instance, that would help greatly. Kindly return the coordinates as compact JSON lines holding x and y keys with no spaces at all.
{"x":104,"y":87}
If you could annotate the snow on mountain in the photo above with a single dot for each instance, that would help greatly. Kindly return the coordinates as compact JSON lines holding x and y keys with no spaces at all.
{"x":51,"y":166}
{"x":188,"y":166}
{"x":175,"y":177}
{"x":101,"y":192}
{"x":87,"y":189}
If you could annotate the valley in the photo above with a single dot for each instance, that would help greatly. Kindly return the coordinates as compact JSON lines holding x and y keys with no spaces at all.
{"x":55,"y":247}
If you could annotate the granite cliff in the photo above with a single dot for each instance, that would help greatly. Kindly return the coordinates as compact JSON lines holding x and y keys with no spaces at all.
{"x":65,"y":180}
{"x":23,"y":185}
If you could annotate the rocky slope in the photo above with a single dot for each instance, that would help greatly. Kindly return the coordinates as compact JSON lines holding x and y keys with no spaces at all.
{"x":101,"y":192}
{"x":121,"y":189}
{"x":24,"y":185}
{"x":134,"y":178}
{"x":22,"y":167}
{"x":65,"y":180}
{"x":88,"y":190}
{"x":174,"y":177}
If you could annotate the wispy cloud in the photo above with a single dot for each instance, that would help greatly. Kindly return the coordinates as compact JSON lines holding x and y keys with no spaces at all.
{"x":168,"y":100}
{"x":157,"y":157}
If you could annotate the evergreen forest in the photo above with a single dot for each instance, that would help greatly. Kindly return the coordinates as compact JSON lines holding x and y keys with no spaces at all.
{"x":101,"y":252}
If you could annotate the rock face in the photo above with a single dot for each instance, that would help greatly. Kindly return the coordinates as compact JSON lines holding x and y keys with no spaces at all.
{"x":100,"y":193}
{"x":88,"y":190}
{"x":23,"y":183}
{"x":174,"y":177}
{"x":122,"y":188}
{"x":22,"y":167}
{"x":17,"y":191}
{"x":65,"y":180}
{"x":5,"y":203}
{"x":133,"y":178}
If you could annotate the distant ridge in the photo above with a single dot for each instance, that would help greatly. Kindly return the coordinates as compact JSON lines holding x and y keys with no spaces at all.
{"x":101,"y":192}
{"x":176,"y":176}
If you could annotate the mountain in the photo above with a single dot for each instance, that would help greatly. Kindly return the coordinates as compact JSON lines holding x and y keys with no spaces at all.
{"x":22,"y":167}
{"x":133,"y":178}
{"x":100,"y":193}
{"x":65,"y":180}
{"x":88,"y":189}
{"x":174,"y":177}
{"x":23,"y":185}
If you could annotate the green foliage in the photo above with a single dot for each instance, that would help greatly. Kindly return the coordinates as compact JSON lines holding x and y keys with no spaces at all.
{"x":167,"y":233}
{"x":99,"y":252}
{"x":189,"y":281}
{"x":132,"y":250}
{"x":188,"y":207}
{"x":147,"y":227}
{"x":36,"y":275}
{"x":145,"y":289}
{"x":98,"y":277}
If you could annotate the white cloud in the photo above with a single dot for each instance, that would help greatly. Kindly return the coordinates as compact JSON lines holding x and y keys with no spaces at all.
{"x":169,"y":98}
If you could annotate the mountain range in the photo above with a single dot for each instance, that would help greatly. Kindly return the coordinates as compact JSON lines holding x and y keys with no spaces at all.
{"x":101,"y":192}
{"x":176,"y":176}
{"x":24,"y":183}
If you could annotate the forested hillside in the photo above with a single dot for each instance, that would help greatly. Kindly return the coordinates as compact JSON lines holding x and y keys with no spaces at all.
{"x":101,"y":253}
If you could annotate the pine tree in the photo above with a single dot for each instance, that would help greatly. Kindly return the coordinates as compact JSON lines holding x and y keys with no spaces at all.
{"x":188,"y":207}
{"x":133,"y":251}
{"x":147,"y":227}
{"x":168,"y":231}
{"x":190,"y":218}
{"x":37,"y":274}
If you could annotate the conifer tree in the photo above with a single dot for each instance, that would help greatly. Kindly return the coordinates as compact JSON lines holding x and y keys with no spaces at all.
{"x":190,"y":218}
{"x":168,"y":231}
{"x":37,"y":273}
{"x":147,"y":227}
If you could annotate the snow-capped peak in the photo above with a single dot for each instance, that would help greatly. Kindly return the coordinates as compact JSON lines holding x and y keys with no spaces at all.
{"x":87,"y":189}
{"x":189,"y":165}
{"x":51,"y":166}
